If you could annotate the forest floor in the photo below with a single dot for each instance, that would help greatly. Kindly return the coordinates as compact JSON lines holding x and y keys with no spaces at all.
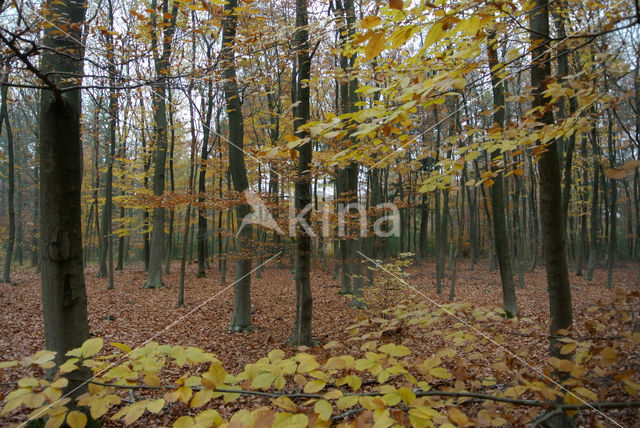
{"x":132,"y":315}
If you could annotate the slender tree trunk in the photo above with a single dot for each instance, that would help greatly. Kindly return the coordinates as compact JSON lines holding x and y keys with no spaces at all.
{"x":168,"y":254}
{"x":613,"y":238}
{"x":595,"y":218}
{"x":4,"y":116}
{"x":107,"y":223}
{"x":187,"y":217}
{"x":202,"y":176}
{"x":497,"y":192}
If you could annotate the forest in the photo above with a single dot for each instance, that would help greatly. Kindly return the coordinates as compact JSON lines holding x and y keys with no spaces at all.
{"x":292,"y":213}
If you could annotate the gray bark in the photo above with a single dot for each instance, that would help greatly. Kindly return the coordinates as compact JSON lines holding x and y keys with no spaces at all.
{"x":241,"y":319}
{"x":64,"y":300}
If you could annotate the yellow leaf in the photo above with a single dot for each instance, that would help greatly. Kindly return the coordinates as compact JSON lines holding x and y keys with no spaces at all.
{"x":34,"y":400}
{"x":396,"y":4}
{"x":28,"y":382}
{"x":568,"y":348}
{"x":263,"y":380}
{"x":391,"y":399}
{"x":55,"y":421}
{"x":184,"y":422}
{"x":324,"y":409}
{"x":171,"y":396}
{"x":346,"y":402}
{"x":184,"y":394}
{"x":152,"y":380}
{"x":369,"y":22}
{"x":353,"y":381}
{"x":314,"y":386}
{"x":11,"y":405}
{"x":440,"y":372}
{"x":135,"y":411}
{"x":375,"y":45}
{"x":459,"y":83}
{"x":201,"y":398}
{"x":7,"y":364}
{"x":333,"y":394}
{"x":306,"y":363}
{"x":91,"y":347}
{"x":215,"y":376}
{"x":400,"y":36}
{"x":209,"y":418}
{"x":68,"y":366}
{"x":76,"y":419}
{"x":121,"y":346}
{"x":285,"y":403}
{"x":583,"y":392}
{"x":435,"y":34}
{"x":394,"y":350}
{"x":154,"y":406}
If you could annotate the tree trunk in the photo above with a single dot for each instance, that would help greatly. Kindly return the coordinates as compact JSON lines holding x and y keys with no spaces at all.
{"x":497,"y":192}
{"x":202,"y":209}
{"x":241,"y":320}
{"x":64,"y":299}
{"x":4,"y":116}
{"x":595,"y":218}
{"x":613,"y":241}
{"x":554,"y":247}
{"x":301,"y":334}
{"x":154,"y":276}
{"x":168,"y":254}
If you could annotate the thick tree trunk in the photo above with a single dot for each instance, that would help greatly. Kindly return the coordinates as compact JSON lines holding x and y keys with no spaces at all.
{"x":554,"y":247}
{"x":156,"y":250}
{"x":302,"y":333}
{"x":64,"y":300}
{"x":241,"y":320}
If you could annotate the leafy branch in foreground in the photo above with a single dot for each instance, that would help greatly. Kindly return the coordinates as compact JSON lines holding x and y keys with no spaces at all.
{"x":465,"y":381}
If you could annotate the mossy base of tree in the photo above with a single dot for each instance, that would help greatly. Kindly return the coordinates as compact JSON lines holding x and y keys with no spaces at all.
{"x":155,"y":286}
{"x":508,"y":315}
{"x":241,"y":329}
{"x":293,"y":341}
{"x":358,"y":303}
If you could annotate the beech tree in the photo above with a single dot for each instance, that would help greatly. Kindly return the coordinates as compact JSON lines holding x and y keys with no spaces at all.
{"x":241,"y":320}
{"x":161,"y":63}
{"x":4,"y":118}
{"x":64,"y":299}
{"x":302,"y":325}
